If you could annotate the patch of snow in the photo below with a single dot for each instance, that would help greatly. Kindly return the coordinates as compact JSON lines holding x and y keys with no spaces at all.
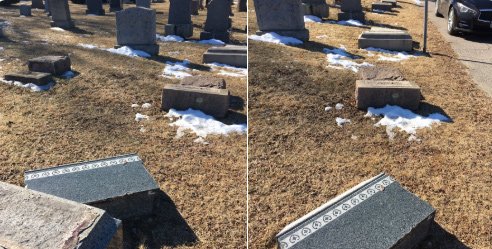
{"x":351,"y":23}
{"x":404,"y":119}
{"x":31,"y":86}
{"x":58,"y":29}
{"x":177,"y":70}
{"x":339,"y":106}
{"x":328,"y":108}
{"x":339,"y":58}
{"x":202,"y":124}
{"x":214,"y":42}
{"x":342,"y":121}
{"x":139,"y":117}
{"x":89,"y":46}
{"x":273,"y":37}
{"x":169,"y":38}
{"x":142,"y":129}
{"x":146,"y":105}
{"x":4,"y":24}
{"x":418,"y":2}
{"x":201,"y":140}
{"x":228,"y":70}
{"x":388,"y":55}
{"x":321,"y":36}
{"x":311,"y":18}
{"x":135,"y":105}
{"x":127,"y":51}
{"x":68,"y":75}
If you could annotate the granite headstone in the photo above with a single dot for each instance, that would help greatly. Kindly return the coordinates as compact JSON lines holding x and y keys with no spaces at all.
{"x":37,"y":4}
{"x":179,"y":20}
{"x":351,"y":10}
{"x":115,"y":5}
{"x":218,"y":22}
{"x":136,"y":28}
{"x":143,"y":3}
{"x":25,"y":10}
{"x":317,"y":8}
{"x":60,"y":14}
{"x":94,"y":7}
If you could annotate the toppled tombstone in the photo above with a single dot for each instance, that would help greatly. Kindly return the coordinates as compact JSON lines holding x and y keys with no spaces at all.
{"x":94,"y":7}
{"x":136,"y":28}
{"x":39,"y":79}
{"x":380,"y":73}
{"x":230,"y":55}
{"x":25,"y":10}
{"x":119,"y":185}
{"x":37,"y":4}
{"x":212,"y":101}
{"x":143,"y":3}
{"x":179,"y":20}
{"x":32,"y":220}
{"x":284,"y":17}
{"x":384,"y":38}
{"x":378,"y":213}
{"x":56,"y":65}
{"x":351,"y":10}
{"x":204,"y":81}
{"x":60,"y":14}
{"x":317,"y":8}
{"x":115,"y":5}
{"x":379,"y":93}
{"x":382,"y":6}
{"x":218,"y":21}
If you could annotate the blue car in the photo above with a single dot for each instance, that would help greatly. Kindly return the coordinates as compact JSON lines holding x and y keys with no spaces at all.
{"x":466,"y":15}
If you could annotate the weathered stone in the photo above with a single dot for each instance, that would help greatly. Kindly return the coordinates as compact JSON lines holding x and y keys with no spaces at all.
{"x":393,"y":2}
{"x":32,"y":220}
{"x":382,"y":6}
{"x":136,"y":28}
{"x":60,"y":14}
{"x":37,"y":4}
{"x":351,"y":10}
{"x":230,"y":55}
{"x":218,"y":21}
{"x":376,"y":93}
{"x":242,"y":6}
{"x":211,"y":101}
{"x":179,"y":20}
{"x":195,"y":6}
{"x":378,"y":213}
{"x":284,"y":17}
{"x":390,"y":39}
{"x":380,"y":73}
{"x":56,"y":65}
{"x":204,"y":81}
{"x":25,"y":10}
{"x":115,"y":5}
{"x":120,"y":185}
{"x":317,"y":8}
{"x":36,"y":78}
{"x":143,"y":3}
{"x":94,"y":7}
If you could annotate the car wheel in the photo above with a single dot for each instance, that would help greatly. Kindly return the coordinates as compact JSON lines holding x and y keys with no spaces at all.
{"x":452,"y":20}
{"x":436,"y":12}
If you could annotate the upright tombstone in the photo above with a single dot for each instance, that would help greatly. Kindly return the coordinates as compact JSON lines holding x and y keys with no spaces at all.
{"x":242,"y":6}
{"x":143,"y":3}
{"x":47,"y":7}
{"x":136,"y":28}
{"x":115,"y":5}
{"x":351,"y":10}
{"x":218,"y":21}
{"x":25,"y":10}
{"x":60,"y":14}
{"x":37,"y":4}
{"x":195,"y":6}
{"x":94,"y":7}
{"x":179,"y":21}
{"x":317,"y":8}
{"x":284,"y":17}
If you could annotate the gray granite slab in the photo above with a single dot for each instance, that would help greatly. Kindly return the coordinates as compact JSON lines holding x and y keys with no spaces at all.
{"x":378,"y":213}
{"x":60,"y":14}
{"x":136,"y":28}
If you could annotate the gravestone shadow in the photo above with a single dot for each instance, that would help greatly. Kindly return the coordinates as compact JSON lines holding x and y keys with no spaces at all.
{"x":163,"y":59}
{"x":426,"y":109}
{"x":388,"y":26}
{"x":165,"y":228}
{"x":234,"y":117}
{"x":318,"y":47}
{"x":439,"y":238}
{"x":77,"y":30}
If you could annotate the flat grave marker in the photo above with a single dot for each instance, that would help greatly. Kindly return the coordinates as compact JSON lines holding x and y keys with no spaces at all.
{"x":384,"y":38}
{"x":36,"y":78}
{"x":56,"y":65}
{"x":379,"y":93}
{"x":232,"y":55}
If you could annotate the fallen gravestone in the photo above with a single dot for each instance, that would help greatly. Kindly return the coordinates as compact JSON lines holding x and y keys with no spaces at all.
{"x":40,"y":79}
{"x":25,"y":10}
{"x":204,"y":81}
{"x":232,"y":55}
{"x":380,"y":73}
{"x":242,"y":6}
{"x":136,"y":28}
{"x":390,"y":39}
{"x":211,"y":101}
{"x":218,"y":21}
{"x":284,"y":17}
{"x":37,"y":4}
{"x":143,"y":3}
{"x":382,"y":6}
{"x":115,"y":5}
{"x":179,"y":20}
{"x":377,"y":213}
{"x":56,"y":65}
{"x":379,"y":93}
{"x":94,"y":7}
{"x":317,"y":8}
{"x":32,"y":220}
{"x":120,"y":185}
{"x":60,"y":14}
{"x":393,"y":2}
{"x":195,"y":6}
{"x":351,"y":10}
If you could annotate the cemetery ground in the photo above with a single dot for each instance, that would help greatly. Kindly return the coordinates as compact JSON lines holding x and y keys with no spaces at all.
{"x":299,"y":157}
{"x":91,"y":116}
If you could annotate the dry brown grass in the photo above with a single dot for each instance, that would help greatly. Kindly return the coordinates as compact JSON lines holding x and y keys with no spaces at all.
{"x":90,"y":117}
{"x":299,"y":158}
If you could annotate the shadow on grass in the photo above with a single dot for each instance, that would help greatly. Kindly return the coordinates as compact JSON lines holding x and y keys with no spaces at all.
{"x":77,"y":30}
{"x":426,"y":109}
{"x":439,"y":238}
{"x":164,"y":59}
{"x":319,"y":47}
{"x":388,"y":26}
{"x":165,"y":228}
{"x":234,"y":117}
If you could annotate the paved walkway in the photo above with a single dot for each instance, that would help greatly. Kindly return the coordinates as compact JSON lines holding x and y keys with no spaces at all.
{"x":475,"y":51}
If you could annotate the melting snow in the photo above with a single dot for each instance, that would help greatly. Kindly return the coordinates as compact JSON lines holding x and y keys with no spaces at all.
{"x":389,"y":55}
{"x":146,"y":105}
{"x":201,"y":124}
{"x":351,"y":23}
{"x":176,"y":70}
{"x":58,"y":29}
{"x":228,"y":70}
{"x":31,"y":86}
{"x":273,"y":37}
{"x":311,"y":18}
{"x":169,"y":38}
{"x":89,"y":46}
{"x":68,"y":75}
{"x":340,"y":59}
{"x":127,"y":51}
{"x":341,"y":121}
{"x":328,"y":108}
{"x":214,"y":42}
{"x":135,"y":105}
{"x":139,"y":117}
{"x":339,"y":106}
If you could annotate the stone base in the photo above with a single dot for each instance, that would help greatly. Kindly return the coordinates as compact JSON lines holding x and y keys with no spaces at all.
{"x":111,"y":9}
{"x":211,"y":101}
{"x":319,"y":10}
{"x":56,"y":65}
{"x":183,"y":30}
{"x":390,"y":39}
{"x":301,"y":34}
{"x":223,"y":36}
{"x":36,"y":78}
{"x":379,"y":93}
{"x":100,"y":12}
{"x":344,"y":16}
{"x":62,"y":24}
{"x":230,"y":55}
{"x":152,"y":49}
{"x":382,"y":6}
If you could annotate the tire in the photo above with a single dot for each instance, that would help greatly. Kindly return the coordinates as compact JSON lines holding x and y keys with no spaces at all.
{"x":436,"y":11}
{"x":452,"y":22}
